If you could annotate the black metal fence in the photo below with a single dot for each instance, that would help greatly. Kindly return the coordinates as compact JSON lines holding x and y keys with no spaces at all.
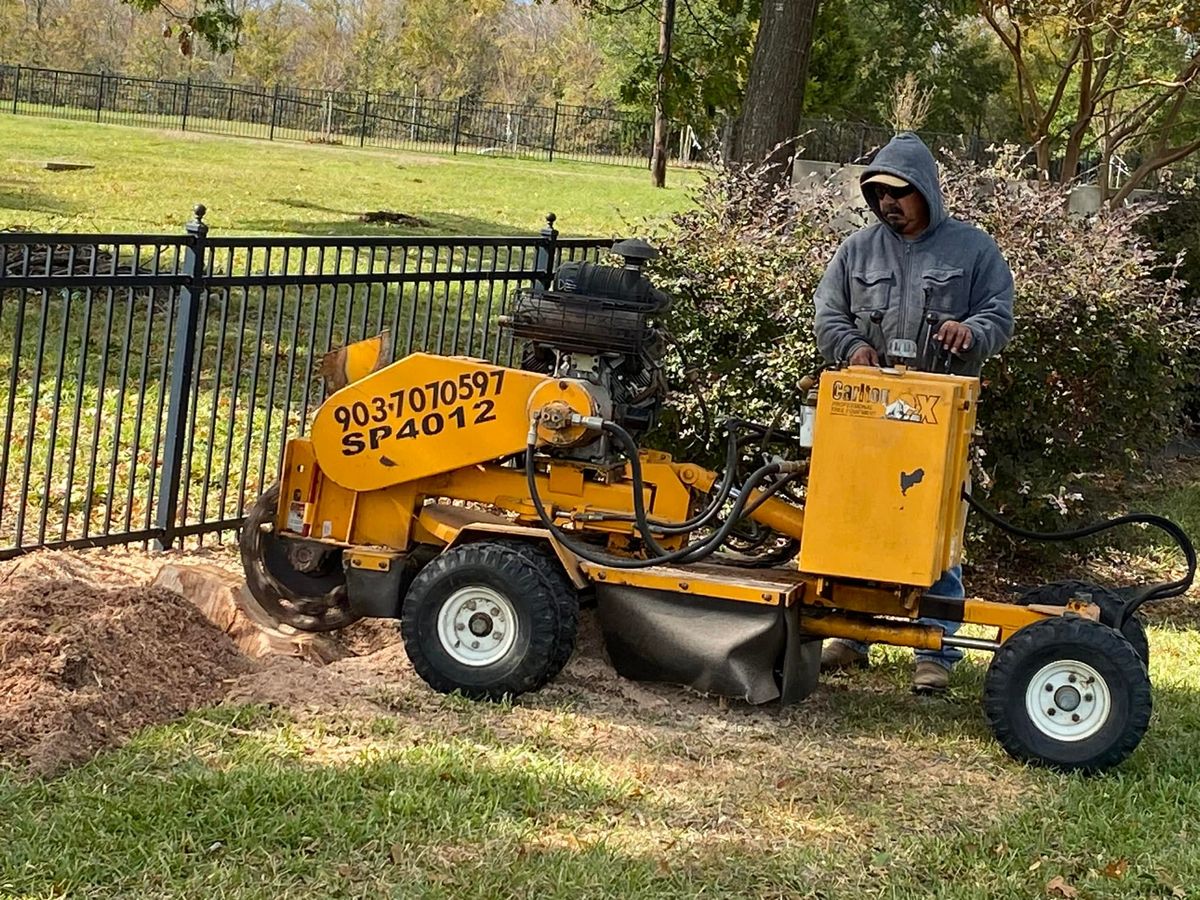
{"x":401,"y":121}
{"x":851,"y":142}
{"x":151,"y":380}
{"x":368,"y":119}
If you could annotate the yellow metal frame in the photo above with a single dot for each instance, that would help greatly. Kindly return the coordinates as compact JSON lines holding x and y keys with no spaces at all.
{"x":389,"y":490}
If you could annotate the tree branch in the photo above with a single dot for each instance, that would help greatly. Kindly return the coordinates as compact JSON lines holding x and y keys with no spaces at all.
{"x":1139,"y":174}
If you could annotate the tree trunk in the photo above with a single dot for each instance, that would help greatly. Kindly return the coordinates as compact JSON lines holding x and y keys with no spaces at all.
{"x":775,"y":92}
{"x":658,"y":160}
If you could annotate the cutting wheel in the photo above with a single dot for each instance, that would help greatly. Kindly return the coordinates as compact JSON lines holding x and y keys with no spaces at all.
{"x":299,"y":583}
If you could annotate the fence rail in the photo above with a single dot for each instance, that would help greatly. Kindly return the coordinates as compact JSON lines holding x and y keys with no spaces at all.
{"x":151,"y":380}
{"x":399,"y":121}
{"x":362,"y":118}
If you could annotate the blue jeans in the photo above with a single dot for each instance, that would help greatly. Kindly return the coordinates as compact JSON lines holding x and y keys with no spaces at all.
{"x":950,"y":585}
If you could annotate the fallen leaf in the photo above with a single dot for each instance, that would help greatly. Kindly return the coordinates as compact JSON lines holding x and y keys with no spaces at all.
{"x":1116,"y":868}
{"x":1057,"y":886}
{"x":345,"y":871}
{"x":397,"y":853}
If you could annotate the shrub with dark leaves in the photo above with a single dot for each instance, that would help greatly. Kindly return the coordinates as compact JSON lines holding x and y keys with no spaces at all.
{"x":1102,"y":354}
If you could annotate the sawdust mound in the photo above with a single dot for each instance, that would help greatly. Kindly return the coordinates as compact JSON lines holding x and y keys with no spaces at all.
{"x":82,"y":667}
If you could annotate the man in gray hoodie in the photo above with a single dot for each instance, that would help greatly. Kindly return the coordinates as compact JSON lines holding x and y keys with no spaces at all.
{"x":886,"y":282}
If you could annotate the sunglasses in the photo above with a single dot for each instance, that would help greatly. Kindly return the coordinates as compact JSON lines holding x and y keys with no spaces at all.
{"x":886,"y":190}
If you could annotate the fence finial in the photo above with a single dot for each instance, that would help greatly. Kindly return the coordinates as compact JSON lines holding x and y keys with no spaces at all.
{"x":199,"y":209}
{"x":551,"y":218}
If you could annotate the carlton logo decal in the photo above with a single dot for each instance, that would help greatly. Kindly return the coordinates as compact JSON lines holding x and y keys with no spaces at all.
{"x":870,"y":401}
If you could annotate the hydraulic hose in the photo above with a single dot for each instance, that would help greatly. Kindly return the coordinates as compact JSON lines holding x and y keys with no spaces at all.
{"x":707,"y":514}
{"x":1135,"y":596}
{"x":688,"y":553}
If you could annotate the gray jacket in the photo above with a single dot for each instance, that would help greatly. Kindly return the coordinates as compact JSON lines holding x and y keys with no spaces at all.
{"x":952,"y":269}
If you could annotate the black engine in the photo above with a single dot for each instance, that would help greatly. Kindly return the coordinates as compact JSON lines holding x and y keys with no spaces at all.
{"x":600,"y":323}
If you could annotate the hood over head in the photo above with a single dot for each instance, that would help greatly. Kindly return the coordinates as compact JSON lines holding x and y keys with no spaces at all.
{"x":907,"y":157}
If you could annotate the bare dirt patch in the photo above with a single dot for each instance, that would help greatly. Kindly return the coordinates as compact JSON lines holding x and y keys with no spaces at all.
{"x":90,"y":652}
{"x":82,"y":667}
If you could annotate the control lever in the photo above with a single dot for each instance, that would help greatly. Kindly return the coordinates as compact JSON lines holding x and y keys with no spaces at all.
{"x":942,"y":356}
{"x":876,"y":317}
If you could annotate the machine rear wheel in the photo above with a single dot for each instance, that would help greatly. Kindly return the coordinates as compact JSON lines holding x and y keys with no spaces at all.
{"x":1069,"y":693}
{"x":490,"y":619}
{"x":1058,"y":593}
{"x":297,"y":583}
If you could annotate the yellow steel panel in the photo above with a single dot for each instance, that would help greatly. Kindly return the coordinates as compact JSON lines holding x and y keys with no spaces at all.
{"x":298,"y":488}
{"x":335,"y":512}
{"x":421,"y":416}
{"x":566,"y":479}
{"x":889,"y":463}
{"x":374,"y":560}
{"x":348,"y":364}
{"x":771,"y":587}
{"x":385,"y":518}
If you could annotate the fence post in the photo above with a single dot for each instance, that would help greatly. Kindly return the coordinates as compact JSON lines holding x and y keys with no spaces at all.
{"x":100,"y":97}
{"x":187,"y":103}
{"x":553,"y":130}
{"x":546,"y":251}
{"x":362,"y":135}
{"x":457,"y":125}
{"x":274,"y":113}
{"x":181,"y":377}
{"x":413,"y":131}
{"x":16,"y":89}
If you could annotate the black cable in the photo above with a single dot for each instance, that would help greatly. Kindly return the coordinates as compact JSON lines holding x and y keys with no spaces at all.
{"x":706,"y":515}
{"x":1136,"y":597}
{"x":702,"y":518}
{"x":688,"y":553}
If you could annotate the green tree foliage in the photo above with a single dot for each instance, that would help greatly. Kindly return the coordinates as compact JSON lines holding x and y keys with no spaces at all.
{"x":863,"y":49}
{"x":1117,"y":79}
{"x":213,"y":21}
{"x":710,"y":57}
{"x":833,"y":68}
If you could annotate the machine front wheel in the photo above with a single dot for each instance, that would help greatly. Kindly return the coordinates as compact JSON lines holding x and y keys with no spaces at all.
{"x":1069,"y":693}
{"x":490,"y":619}
{"x":1058,"y":593}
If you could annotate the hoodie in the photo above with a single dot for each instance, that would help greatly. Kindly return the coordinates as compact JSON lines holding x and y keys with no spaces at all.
{"x":951,"y":269}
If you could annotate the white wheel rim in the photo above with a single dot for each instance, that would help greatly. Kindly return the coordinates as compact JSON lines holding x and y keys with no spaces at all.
{"x":1068,"y":700}
{"x":477,"y":625}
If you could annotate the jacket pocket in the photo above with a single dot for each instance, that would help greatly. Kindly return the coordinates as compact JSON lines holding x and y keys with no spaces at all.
{"x":870,"y":291}
{"x":945,"y":290}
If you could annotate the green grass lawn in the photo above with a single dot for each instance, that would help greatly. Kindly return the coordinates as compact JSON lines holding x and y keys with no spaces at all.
{"x":862,"y":791}
{"x":146,"y":180}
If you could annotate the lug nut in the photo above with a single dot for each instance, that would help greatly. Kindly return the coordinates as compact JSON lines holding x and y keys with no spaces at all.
{"x":474,"y":645}
{"x":494,"y":611}
{"x":1074,"y":717}
{"x":459,"y":627}
{"x":1051,"y":711}
{"x":1087,"y":697}
{"x":496,"y":635}
{"x":1071,"y":678}
{"x":1049,"y":688}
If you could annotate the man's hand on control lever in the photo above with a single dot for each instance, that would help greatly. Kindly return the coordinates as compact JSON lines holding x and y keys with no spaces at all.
{"x":955,"y":337}
{"x":864,"y":355}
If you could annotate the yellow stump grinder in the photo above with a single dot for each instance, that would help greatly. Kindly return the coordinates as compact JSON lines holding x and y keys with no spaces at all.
{"x":480,"y":504}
